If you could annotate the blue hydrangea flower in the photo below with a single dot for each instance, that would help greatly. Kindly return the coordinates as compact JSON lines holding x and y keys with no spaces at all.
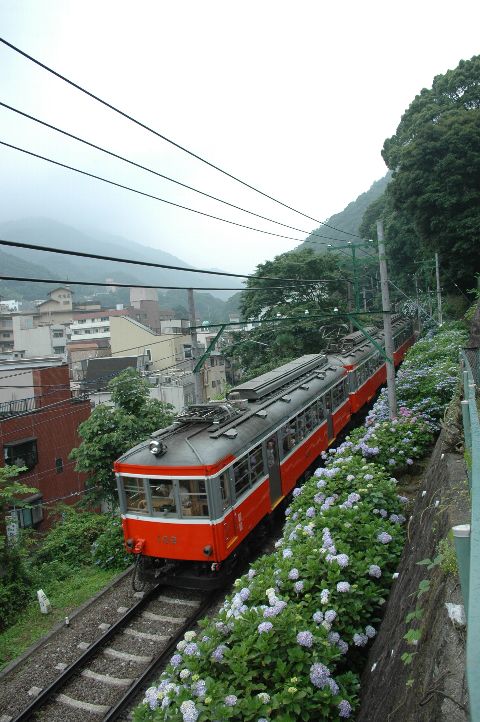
{"x":360,"y":640}
{"x":287,"y":553}
{"x":324,"y":596}
{"x":298,"y":586}
{"x":318,"y":617}
{"x":264,"y":627}
{"x":344,"y":708}
{"x":342,"y":560}
{"x":231,"y":700}
{"x":370,"y":631}
{"x":374,"y":571}
{"x":319,"y":675}
{"x":330,"y":615}
{"x":189,"y":711}
{"x":384,"y":538}
{"x":343,"y":587}
{"x":293,"y":573}
{"x":305,"y":639}
{"x":176,"y":660}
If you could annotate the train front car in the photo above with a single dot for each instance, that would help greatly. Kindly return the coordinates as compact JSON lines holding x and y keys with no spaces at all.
{"x":197,"y":493}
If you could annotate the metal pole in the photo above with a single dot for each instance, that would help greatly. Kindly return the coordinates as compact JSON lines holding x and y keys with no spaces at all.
{"x":364,"y":293}
{"x":198,"y":391}
{"x":387,"y":323}
{"x":439,"y":293}
{"x":419,"y":315}
{"x":355,"y":279}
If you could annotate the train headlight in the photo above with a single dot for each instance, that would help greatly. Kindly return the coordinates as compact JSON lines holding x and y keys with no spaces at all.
{"x":208,"y":550}
{"x":157,"y":447}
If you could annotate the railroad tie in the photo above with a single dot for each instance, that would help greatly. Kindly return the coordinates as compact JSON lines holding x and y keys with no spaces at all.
{"x":107,"y":679}
{"x":127,"y":656}
{"x":171,"y":600}
{"x":162,"y":618}
{"x":147,"y":635}
{"x":79,"y":704}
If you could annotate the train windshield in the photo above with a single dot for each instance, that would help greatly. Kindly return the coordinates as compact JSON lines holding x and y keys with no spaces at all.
{"x":180,"y":498}
{"x":136,"y":501}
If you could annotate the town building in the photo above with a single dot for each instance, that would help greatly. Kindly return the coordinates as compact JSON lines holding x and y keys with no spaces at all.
{"x":38,"y":432}
{"x":31,"y":338}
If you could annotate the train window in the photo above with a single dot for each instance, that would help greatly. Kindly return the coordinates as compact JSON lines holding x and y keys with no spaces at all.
{"x":320,"y":409}
{"x":193,"y":497}
{"x":289,"y":439}
{"x":224,"y":481}
{"x":257,"y":469}
{"x":328,"y":402}
{"x":135,"y":495}
{"x":241,"y":477}
{"x":163,"y":497}
{"x":300,"y":426}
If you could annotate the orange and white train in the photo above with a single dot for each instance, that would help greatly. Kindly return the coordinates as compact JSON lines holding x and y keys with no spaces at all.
{"x":195,"y":494}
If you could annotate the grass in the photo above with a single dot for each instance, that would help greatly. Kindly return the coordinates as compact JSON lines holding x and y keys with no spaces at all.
{"x":64,"y":595}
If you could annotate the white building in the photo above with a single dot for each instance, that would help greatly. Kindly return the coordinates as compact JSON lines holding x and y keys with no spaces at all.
{"x":30,"y":339}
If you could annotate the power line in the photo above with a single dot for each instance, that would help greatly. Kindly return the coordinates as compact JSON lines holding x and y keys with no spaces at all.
{"x":168,"y":288}
{"x":145,"y":194}
{"x":150,"y":264}
{"x":163,"y":137}
{"x":160,"y":175}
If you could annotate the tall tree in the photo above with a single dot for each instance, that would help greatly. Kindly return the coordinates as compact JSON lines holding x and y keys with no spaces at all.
{"x":112,"y":430}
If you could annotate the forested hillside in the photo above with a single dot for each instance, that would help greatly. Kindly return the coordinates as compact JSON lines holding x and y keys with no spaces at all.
{"x":433,"y":201}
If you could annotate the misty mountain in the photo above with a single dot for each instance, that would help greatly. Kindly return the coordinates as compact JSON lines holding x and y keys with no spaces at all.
{"x":45,"y":264}
{"x":349,"y":219}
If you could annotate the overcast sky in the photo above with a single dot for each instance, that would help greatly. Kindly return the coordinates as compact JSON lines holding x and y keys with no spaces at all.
{"x":296,"y":98}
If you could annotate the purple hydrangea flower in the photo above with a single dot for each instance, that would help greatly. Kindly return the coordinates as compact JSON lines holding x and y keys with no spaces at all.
{"x":200,"y":688}
{"x":297,"y":491}
{"x":333,"y":637}
{"x":324,"y":596}
{"x":343,"y":587}
{"x":344,"y":708}
{"x":343,"y":646}
{"x":189,"y":711}
{"x":244,"y":594}
{"x":310,"y":513}
{"x":409,"y":462}
{"x":264,"y":627}
{"x":360,"y":640}
{"x":217,"y":654}
{"x":383,"y":513}
{"x":384,"y":538}
{"x":298,"y":586}
{"x":342,"y":560}
{"x":230,"y":700}
{"x":330,"y":615}
{"x":287,"y":553}
{"x":192,"y":650}
{"x":293,"y":573}
{"x":334,"y":688}
{"x":151,"y":697}
{"x":305,"y":639}
{"x":370,"y":631}
{"x":176,"y":660}
{"x":368,"y":477}
{"x":319,"y":675}
{"x":318,"y":617}
{"x":251,"y":573}
{"x":374,"y":571}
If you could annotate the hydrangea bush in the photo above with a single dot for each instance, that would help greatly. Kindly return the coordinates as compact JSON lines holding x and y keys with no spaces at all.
{"x":289,"y":642}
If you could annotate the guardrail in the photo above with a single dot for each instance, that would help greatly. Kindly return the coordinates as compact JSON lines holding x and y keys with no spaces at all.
{"x":467,"y":536}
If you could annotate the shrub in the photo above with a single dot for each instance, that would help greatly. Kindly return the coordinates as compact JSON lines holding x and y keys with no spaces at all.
{"x":108,"y":550}
{"x":71,"y":538}
{"x":15,"y":583}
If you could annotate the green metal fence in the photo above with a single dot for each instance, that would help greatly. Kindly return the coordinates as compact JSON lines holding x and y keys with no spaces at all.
{"x":467,"y":536}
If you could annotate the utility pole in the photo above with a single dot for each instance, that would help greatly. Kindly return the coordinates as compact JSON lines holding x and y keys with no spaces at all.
{"x":439,"y":293}
{"x":198,"y":391}
{"x":364,"y":294}
{"x":419,"y":315}
{"x":387,"y":323}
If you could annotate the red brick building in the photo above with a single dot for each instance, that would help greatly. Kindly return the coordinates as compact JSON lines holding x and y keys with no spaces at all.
{"x":39,"y":432}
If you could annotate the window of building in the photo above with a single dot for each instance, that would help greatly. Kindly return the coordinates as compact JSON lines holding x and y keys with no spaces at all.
{"x":148,"y":354}
{"x":59,"y":349}
{"x":31,"y":514}
{"x":59,"y":465}
{"x":21,"y":453}
{"x":103,"y":318}
{"x":58,"y":334}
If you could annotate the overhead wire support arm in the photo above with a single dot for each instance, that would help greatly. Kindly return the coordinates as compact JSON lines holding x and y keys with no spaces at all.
{"x":209,"y":349}
{"x":362,"y":328}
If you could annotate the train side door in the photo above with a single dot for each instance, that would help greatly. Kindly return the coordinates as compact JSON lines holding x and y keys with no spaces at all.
{"x":329,"y":416}
{"x":273,"y":466}
{"x":229,"y":529}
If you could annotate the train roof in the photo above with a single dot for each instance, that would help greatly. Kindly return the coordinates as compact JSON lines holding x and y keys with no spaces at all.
{"x":211,"y":435}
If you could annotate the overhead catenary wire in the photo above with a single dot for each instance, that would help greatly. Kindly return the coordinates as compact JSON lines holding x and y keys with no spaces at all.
{"x":151,"y":195}
{"x":160,"y":287}
{"x":150,"y":264}
{"x":163,"y":137}
{"x":158,"y":174}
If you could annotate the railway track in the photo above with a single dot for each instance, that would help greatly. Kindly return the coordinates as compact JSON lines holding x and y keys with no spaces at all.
{"x":111,"y":672}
